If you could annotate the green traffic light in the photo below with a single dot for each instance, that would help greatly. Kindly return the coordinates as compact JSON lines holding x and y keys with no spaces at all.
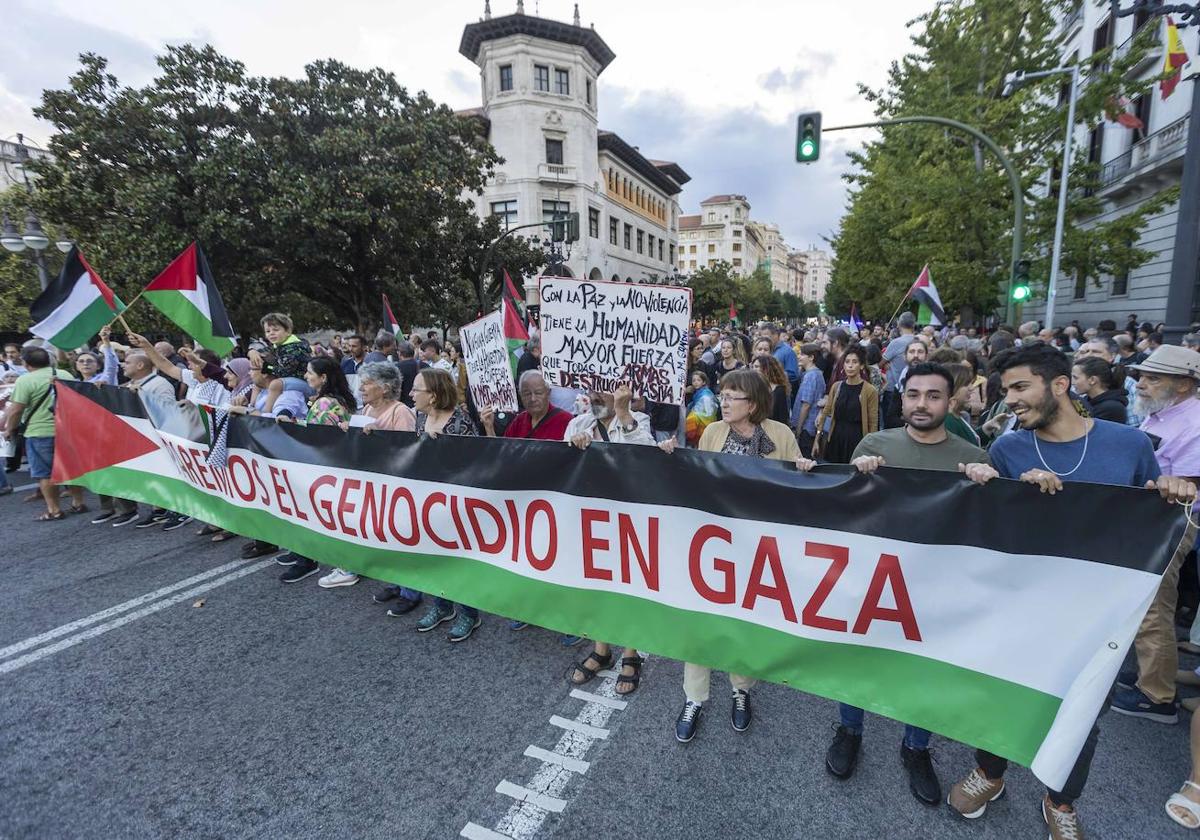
{"x":1020,"y":293}
{"x":807,"y":148}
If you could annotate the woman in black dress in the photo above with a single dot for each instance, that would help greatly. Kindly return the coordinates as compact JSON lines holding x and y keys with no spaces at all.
{"x":852,"y":407}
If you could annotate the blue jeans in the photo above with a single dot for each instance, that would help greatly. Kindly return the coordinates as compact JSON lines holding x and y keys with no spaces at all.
{"x":469,"y":612}
{"x":915,"y":738}
{"x":40,"y":452}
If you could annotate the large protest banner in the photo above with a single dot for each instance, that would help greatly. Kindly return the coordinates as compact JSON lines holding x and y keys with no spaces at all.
{"x":596,"y":335}
{"x":489,"y":374}
{"x":914,"y":594}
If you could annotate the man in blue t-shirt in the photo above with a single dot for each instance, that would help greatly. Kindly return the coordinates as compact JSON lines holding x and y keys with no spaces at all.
{"x":1056,"y":444}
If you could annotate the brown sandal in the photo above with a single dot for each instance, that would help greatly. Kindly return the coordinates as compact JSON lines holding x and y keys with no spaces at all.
{"x":49,"y":517}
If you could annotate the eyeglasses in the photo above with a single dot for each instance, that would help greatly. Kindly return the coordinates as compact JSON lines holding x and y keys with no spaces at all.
{"x":727,"y":398}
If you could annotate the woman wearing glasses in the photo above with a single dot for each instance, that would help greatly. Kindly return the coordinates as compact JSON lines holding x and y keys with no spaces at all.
{"x":744,"y":429}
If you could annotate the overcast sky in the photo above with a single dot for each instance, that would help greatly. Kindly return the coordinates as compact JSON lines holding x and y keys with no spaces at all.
{"x":711,"y":84}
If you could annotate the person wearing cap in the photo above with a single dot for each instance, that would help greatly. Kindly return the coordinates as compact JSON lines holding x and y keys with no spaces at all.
{"x":1167,"y":399}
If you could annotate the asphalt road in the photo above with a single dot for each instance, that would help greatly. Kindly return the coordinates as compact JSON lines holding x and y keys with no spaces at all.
{"x":290,"y":711}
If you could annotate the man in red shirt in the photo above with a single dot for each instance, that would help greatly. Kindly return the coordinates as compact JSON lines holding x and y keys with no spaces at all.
{"x":539,"y":420}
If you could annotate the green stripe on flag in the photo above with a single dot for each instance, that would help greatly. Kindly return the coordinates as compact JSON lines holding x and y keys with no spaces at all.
{"x":83,"y":326}
{"x":1003,"y":717}
{"x":175,"y":305}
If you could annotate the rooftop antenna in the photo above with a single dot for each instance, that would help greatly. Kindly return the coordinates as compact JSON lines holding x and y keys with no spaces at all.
{"x":577,"y":14}
{"x":520,"y":7}
{"x":487,"y":9}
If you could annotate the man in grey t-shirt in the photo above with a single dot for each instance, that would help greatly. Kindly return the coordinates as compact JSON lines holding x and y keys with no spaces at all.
{"x":894,"y":359}
{"x":923,"y":443}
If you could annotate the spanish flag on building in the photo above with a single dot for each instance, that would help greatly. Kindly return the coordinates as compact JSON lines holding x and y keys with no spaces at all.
{"x":1175,"y":59}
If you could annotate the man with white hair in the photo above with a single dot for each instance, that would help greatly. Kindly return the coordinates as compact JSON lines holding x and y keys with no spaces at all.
{"x":1166,"y":396}
{"x":1027,"y":332}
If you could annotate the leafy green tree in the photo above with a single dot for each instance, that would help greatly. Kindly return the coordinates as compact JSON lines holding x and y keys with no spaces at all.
{"x":315,"y":194}
{"x":921,"y":194}
{"x":713,"y":289}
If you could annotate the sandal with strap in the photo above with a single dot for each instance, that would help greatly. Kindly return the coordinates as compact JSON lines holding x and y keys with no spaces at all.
{"x":589,"y":674}
{"x":208,"y":531}
{"x":221,"y":536}
{"x":49,"y":517}
{"x":1191,"y":806}
{"x":636,"y":663}
{"x":79,"y":508}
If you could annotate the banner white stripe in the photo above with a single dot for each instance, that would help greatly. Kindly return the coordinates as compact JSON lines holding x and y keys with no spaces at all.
{"x":83,"y":294}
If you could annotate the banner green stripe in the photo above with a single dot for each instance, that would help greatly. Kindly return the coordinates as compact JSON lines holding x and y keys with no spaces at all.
{"x":84,"y":325}
{"x":1003,"y":717}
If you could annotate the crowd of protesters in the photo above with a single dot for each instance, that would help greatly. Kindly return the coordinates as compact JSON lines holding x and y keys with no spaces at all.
{"x":1047,"y":407}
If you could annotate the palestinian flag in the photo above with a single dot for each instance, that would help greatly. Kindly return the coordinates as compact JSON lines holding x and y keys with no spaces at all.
{"x":187,"y":294}
{"x":926,"y":294}
{"x":732,"y":313}
{"x":515,"y":332}
{"x":732,"y":563}
{"x":74,"y":307}
{"x":856,"y":323}
{"x":390,"y":324}
{"x":1174,"y":59}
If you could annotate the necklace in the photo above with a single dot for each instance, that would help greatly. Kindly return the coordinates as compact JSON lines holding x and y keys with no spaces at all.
{"x":1086,"y":435}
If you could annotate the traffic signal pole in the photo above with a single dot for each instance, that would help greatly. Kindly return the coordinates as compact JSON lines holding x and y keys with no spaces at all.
{"x":1014,"y":181}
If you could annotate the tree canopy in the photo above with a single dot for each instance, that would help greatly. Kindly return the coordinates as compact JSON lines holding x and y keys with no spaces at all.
{"x":924,"y":194}
{"x":313,"y":195}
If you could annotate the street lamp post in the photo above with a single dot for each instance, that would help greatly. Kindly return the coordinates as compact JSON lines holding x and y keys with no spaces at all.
{"x":1011,"y":85}
{"x":34,"y":238}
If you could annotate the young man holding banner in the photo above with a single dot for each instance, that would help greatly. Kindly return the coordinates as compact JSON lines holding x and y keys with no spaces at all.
{"x":923,"y":443}
{"x":1054,"y":446}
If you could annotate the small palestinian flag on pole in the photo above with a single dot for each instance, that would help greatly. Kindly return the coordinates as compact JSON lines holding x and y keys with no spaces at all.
{"x":390,"y":324}
{"x":75,"y":306}
{"x":926,"y":294}
{"x":856,"y":323}
{"x":1174,"y":59}
{"x":187,"y":294}
{"x":732,"y":313}
{"x":515,"y":332}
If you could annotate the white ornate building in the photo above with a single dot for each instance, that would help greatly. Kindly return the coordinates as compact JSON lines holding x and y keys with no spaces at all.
{"x":818,"y":271}
{"x":721,"y":231}
{"x":541,"y":103}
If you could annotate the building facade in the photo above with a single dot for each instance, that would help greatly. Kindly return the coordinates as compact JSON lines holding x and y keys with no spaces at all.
{"x":818,"y":271}
{"x":1137,"y":164}
{"x":541,"y":104}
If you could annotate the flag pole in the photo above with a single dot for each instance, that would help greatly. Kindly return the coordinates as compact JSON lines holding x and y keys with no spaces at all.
{"x":901,"y":303}
{"x":119,"y":314}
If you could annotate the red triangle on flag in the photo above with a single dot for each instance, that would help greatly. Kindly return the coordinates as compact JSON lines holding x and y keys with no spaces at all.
{"x":180,"y":275}
{"x":89,"y":437}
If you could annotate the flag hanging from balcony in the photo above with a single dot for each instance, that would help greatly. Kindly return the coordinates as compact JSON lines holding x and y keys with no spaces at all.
{"x":1174,"y":59}
{"x":926,"y":294}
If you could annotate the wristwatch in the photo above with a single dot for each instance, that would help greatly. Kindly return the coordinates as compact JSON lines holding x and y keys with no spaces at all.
{"x":629,"y":429}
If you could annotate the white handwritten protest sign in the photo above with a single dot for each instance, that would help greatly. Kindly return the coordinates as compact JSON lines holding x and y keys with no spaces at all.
{"x":488,"y":372}
{"x":596,"y":335}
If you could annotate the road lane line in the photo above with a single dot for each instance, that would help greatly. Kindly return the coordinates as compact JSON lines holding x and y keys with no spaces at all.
{"x":582,"y":728}
{"x":575,"y":765}
{"x":477,"y":832}
{"x":588,"y":697}
{"x":541,"y":800}
{"x":79,"y":624}
{"x":79,"y":638}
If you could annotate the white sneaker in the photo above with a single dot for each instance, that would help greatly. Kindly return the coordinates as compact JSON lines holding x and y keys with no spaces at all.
{"x":338,"y":577}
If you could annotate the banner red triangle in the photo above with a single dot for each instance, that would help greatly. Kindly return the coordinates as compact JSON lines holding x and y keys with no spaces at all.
{"x":89,"y":437}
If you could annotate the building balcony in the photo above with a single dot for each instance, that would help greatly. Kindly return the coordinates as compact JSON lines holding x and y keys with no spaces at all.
{"x":1147,"y":155}
{"x":556,"y":173}
{"x":1071,"y":21}
{"x":1152,"y":55}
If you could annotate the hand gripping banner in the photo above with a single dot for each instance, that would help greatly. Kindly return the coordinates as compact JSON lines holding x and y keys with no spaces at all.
{"x":992,"y":615}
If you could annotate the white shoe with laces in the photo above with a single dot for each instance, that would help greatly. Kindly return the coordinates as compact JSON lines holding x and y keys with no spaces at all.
{"x":338,"y":577}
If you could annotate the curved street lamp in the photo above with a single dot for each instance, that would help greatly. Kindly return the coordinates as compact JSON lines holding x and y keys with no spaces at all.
{"x":34,"y":238}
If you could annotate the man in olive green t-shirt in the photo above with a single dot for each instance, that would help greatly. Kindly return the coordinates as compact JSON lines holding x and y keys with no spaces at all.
{"x":922,"y":443}
{"x":33,"y":401}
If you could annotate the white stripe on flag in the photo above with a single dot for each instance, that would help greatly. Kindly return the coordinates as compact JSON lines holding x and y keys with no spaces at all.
{"x":199,"y":298}
{"x":83,"y":294}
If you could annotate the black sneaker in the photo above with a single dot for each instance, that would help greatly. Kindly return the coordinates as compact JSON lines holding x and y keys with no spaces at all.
{"x":105,"y":516}
{"x":161,"y":515}
{"x":257,"y":548}
{"x":1127,"y":677}
{"x":175,"y":521}
{"x":1135,"y":703}
{"x":124,"y":519}
{"x":688,"y":721}
{"x":403,"y":606}
{"x":842,"y":755}
{"x":389,"y":593}
{"x":741,"y":714}
{"x":302,"y":569}
{"x":147,"y":521}
{"x":922,"y":780}
{"x":289,"y":559}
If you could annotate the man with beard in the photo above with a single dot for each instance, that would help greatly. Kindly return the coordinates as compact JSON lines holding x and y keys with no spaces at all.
{"x":1054,"y":446}
{"x":614,"y":418}
{"x":916,"y":352}
{"x":1166,"y":397}
{"x":921,"y":444}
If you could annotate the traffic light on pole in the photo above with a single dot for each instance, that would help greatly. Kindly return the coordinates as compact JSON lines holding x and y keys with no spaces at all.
{"x":1020,"y":288}
{"x":808,"y":137}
